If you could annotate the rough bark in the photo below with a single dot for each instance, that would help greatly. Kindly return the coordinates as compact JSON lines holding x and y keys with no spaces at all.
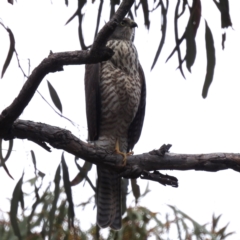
{"x":155,"y":160}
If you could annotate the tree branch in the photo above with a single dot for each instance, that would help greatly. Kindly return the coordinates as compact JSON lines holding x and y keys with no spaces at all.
{"x":109,"y":27}
{"x":137,"y":165}
{"x":55,"y":62}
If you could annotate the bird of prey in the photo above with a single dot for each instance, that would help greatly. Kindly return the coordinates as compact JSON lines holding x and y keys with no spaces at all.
{"x":115,"y":93}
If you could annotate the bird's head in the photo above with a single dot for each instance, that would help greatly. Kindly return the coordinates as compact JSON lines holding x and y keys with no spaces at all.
{"x":125,"y":30}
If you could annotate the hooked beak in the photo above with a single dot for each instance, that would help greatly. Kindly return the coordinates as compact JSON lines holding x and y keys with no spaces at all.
{"x":133,"y":24}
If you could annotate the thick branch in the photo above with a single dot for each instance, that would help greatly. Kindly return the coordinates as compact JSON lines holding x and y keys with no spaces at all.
{"x":109,"y":28}
{"x":154,"y":160}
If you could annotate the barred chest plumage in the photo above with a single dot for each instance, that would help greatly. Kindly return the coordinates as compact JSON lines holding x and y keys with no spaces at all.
{"x":120,"y":89}
{"x":125,"y":56}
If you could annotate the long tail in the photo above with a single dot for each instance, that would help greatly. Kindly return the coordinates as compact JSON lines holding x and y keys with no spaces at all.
{"x":108,"y":199}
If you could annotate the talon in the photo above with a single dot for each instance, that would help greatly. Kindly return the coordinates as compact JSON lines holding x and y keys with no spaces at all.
{"x":117,"y":151}
{"x":124,"y":159}
{"x":130,"y":153}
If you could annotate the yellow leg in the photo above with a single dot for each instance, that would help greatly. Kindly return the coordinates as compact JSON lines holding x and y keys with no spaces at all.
{"x":117,"y":151}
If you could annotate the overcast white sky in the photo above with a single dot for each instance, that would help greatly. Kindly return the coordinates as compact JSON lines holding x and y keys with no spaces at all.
{"x":176,"y":112}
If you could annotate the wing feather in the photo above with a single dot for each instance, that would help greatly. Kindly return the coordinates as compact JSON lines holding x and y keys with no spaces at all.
{"x":93,"y":101}
{"x":135,"y":127}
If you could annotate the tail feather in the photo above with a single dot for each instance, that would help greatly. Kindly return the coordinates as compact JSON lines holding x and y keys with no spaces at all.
{"x":116,"y":224}
{"x":108,"y":199}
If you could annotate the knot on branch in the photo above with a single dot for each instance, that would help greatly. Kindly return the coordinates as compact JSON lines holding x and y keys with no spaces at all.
{"x":161,"y":178}
{"x":133,"y":172}
{"x":161,"y":151}
{"x":61,"y":138}
{"x":113,"y":23}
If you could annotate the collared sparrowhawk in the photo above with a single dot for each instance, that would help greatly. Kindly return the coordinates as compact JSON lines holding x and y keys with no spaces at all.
{"x":115,"y":106}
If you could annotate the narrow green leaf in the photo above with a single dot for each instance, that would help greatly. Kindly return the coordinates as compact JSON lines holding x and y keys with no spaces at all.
{"x":44,"y":227}
{"x":83,"y":172}
{"x":54,"y":96}
{"x":9,"y":151}
{"x":217,"y":4}
{"x":34,"y":161}
{"x":184,"y":216}
{"x":80,"y":20}
{"x":41,"y":174}
{"x":196,"y":14}
{"x":72,"y":17}
{"x":228,"y":234}
{"x":145,"y":12}
{"x":177,"y":40}
{"x":83,"y":175}
{"x":32,"y":181}
{"x":184,"y":4}
{"x":34,"y":206}
{"x":223,"y":7}
{"x":36,"y":203}
{"x":225,"y":15}
{"x":10,"y":51}
{"x":45,"y":200}
{"x":67,"y":186}
{"x":215,"y":221}
{"x":223,"y":40}
{"x":190,"y":45}
{"x":16,"y":197}
{"x":222,"y":231}
{"x":4,"y":159}
{"x":163,"y":29}
{"x":10,"y":147}
{"x":81,"y":4}
{"x":136,"y":189}
{"x":62,"y":210}
{"x":54,"y":203}
{"x":210,"y":60}
{"x":147,"y":190}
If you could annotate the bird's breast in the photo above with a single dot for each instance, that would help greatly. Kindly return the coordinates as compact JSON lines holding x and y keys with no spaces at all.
{"x":120,"y":89}
{"x":125,"y":56}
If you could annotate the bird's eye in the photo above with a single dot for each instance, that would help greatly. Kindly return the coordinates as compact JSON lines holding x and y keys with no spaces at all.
{"x":122,"y":23}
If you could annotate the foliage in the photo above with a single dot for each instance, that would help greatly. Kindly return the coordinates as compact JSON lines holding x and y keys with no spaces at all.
{"x":184,"y":9}
{"x":52,"y":213}
{"x":48,"y":218}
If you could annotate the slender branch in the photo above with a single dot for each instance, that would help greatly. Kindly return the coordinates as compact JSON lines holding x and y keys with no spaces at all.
{"x":59,"y":114}
{"x":98,"y":17}
{"x":151,"y":161}
{"x":19,"y":65}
